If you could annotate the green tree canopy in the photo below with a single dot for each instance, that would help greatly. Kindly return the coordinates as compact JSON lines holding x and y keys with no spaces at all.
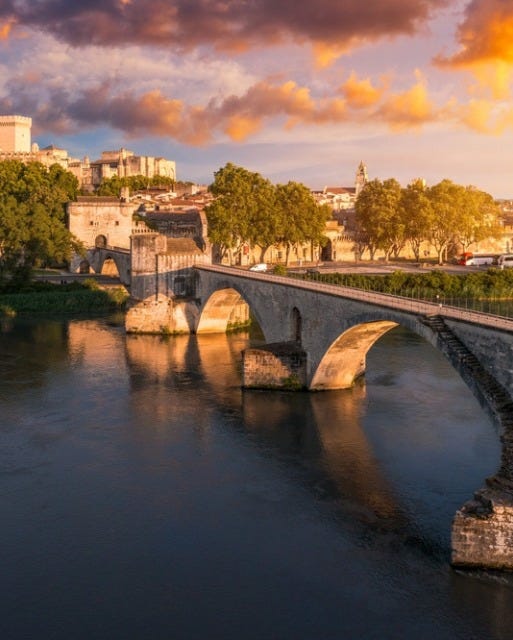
{"x":249,"y":209}
{"x":112,"y":186}
{"x":378,"y":216}
{"x":231,"y":213}
{"x":301,"y":218}
{"x":417,"y":215}
{"x":33,"y":230}
{"x":478,"y":218}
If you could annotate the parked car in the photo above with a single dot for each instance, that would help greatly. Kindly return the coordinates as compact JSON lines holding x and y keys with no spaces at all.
{"x":260,"y":266}
{"x":505,"y":260}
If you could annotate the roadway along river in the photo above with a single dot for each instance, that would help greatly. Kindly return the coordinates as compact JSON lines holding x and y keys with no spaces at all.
{"x":145,"y":496}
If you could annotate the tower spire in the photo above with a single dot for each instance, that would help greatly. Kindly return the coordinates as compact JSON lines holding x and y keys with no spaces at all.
{"x":361,"y":177}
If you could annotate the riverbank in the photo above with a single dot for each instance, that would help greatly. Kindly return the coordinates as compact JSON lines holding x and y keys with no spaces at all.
{"x":74,"y":297}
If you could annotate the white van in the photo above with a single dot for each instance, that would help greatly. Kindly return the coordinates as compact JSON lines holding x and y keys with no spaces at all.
{"x":505,"y":260}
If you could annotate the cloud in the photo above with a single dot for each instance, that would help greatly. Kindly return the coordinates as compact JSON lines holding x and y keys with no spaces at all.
{"x":485,"y":38}
{"x":409,"y":109}
{"x":361,"y":93}
{"x":484,"y":35}
{"x":5,"y":29}
{"x":236,"y":116}
{"x":330,"y":25}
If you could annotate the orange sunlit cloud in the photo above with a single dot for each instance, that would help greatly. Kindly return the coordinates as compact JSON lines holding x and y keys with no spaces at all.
{"x":485,"y":116}
{"x":361,"y":93}
{"x":409,"y":109}
{"x":326,"y":53}
{"x":486,"y":33}
{"x":239,"y":128}
{"x":240,"y":117}
{"x":486,"y":46}
{"x":5,"y":29}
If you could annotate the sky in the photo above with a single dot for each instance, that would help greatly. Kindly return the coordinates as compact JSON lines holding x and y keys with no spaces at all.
{"x":292,"y":89}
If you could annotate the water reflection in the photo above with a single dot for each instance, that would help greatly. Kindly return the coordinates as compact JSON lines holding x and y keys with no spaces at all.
{"x":146,"y":495}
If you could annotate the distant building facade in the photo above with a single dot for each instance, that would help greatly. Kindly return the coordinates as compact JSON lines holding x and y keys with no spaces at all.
{"x":15,"y":144}
{"x":124,"y":163}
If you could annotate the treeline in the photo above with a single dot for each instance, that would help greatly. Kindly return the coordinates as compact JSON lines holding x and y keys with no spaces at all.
{"x":33,"y":225}
{"x":389,"y":217}
{"x":250,"y":211}
{"x":112,"y":186}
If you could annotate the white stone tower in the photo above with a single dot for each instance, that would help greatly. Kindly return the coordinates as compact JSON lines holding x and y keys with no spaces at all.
{"x":361,"y":178}
{"x":15,"y":134}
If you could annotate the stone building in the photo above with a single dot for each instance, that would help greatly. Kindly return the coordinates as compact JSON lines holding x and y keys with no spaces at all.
{"x":101,"y":221}
{"x":124,"y":163}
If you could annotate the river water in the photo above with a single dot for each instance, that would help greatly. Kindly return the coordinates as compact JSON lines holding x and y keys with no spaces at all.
{"x":144,"y":495}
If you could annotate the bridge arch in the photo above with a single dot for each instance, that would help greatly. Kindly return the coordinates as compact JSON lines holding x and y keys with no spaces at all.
{"x":334,"y":319}
{"x":345,"y":359}
{"x":224,"y":307}
{"x":84,"y":267}
{"x":110,"y":267}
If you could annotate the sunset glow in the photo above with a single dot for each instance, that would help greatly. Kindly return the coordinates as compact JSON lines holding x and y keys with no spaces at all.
{"x":294,"y":91}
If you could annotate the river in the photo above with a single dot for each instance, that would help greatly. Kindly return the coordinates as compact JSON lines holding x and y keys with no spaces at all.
{"x":145,"y":496}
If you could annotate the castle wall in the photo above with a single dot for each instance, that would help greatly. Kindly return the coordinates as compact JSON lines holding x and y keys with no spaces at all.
{"x":155,"y":272}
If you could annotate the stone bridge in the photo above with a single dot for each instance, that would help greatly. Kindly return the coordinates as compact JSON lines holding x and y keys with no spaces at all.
{"x":106,"y":260}
{"x":317,"y":337}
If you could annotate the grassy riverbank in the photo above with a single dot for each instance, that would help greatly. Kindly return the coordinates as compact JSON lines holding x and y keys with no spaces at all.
{"x":75,"y":297}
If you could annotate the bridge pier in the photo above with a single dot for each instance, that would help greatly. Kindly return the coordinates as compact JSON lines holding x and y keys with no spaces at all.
{"x":482,"y":530}
{"x":160,"y":314}
{"x":275,"y":366}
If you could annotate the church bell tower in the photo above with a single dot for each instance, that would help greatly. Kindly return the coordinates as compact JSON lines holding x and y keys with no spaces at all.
{"x":361,"y":178}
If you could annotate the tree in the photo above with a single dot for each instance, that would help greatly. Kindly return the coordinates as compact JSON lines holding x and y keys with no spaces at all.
{"x":112,"y":186}
{"x":448,"y":201}
{"x":242,"y":211}
{"x":478,"y":218}
{"x":378,"y":216}
{"x":33,"y":229}
{"x":301,"y":218}
{"x":417,"y":214}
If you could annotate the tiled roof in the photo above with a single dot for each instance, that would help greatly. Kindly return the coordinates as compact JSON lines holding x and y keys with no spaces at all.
{"x":182,"y":245}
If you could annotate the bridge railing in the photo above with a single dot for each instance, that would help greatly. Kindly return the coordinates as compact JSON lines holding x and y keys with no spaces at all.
{"x":111,"y":247}
{"x":389,"y":300}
